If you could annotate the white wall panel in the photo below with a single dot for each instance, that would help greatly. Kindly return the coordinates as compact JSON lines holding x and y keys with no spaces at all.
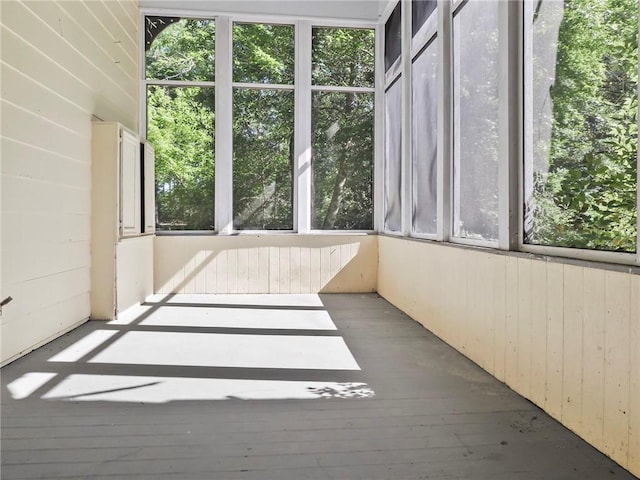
{"x":634,"y":370}
{"x":61,"y":64}
{"x":617,"y":373}
{"x":572,"y":348}
{"x":564,"y":336}
{"x":134,"y":269}
{"x":265,"y":264}
{"x":594,"y":320}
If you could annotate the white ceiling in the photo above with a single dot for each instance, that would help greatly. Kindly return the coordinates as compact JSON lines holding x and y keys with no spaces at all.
{"x":347,"y":9}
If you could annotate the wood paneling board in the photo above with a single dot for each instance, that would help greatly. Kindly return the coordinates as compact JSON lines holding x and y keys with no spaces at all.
{"x":499,"y":319}
{"x":58,"y":70}
{"x":434,"y":414}
{"x":524,"y":327}
{"x":634,"y":371}
{"x":553,"y":326}
{"x":38,"y":165}
{"x":36,"y":22}
{"x":511,"y":323}
{"x":538,"y":332}
{"x":593,"y":355}
{"x":265,"y":264}
{"x":555,"y":339}
{"x":572,"y":347}
{"x":617,"y":365}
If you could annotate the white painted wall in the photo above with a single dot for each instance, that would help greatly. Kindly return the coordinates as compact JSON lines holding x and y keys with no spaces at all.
{"x":566,"y":337}
{"x":266,"y":264}
{"x":134,"y":270}
{"x":347,"y":9}
{"x":62,"y":62}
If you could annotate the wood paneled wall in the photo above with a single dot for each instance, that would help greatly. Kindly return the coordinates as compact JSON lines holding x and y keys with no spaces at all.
{"x":265,"y":264}
{"x":566,"y":337}
{"x":62,"y":63}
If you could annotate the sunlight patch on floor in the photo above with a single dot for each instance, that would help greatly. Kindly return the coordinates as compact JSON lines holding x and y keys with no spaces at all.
{"x":118,"y":388}
{"x":220,"y":317}
{"x":223,"y":350}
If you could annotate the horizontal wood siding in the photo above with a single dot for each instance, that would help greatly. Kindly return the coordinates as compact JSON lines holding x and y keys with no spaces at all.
{"x":566,"y":337}
{"x":265,"y":264}
{"x":62,"y":63}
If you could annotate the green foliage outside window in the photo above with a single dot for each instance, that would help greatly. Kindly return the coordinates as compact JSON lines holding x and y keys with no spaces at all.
{"x":585,"y":141}
{"x":180,"y":124}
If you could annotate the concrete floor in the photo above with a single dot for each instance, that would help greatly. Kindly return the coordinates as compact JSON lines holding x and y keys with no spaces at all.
{"x":273,"y":388}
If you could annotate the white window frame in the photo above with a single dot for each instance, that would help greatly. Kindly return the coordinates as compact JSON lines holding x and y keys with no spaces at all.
{"x":390,"y":76}
{"x":428,"y":32}
{"x":327,"y":88}
{"x":144,"y":83}
{"x":302,"y":88}
{"x":525,"y":127}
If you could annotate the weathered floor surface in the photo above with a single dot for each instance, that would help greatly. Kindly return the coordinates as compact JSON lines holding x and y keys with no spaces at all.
{"x":273,"y":388}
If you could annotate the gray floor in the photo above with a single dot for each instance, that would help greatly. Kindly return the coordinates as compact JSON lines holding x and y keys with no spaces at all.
{"x":195,"y":389}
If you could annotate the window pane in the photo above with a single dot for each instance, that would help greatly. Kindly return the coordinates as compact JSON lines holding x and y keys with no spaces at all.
{"x":475,"y":76}
{"x":393,"y":158}
{"x":263,"y":53}
{"x":343,"y":57}
{"x":262,"y":159}
{"x":392,"y":38}
{"x":180,"y":125}
{"x":342,"y":161}
{"x":581,"y":163}
{"x":425,"y":131}
{"x":179,"y":49}
{"x":421,"y":10}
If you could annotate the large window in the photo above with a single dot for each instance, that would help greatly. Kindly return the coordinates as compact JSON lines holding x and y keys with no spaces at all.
{"x":393,"y":122}
{"x":424,"y":120}
{"x":180,"y":119}
{"x":248,"y":108}
{"x":475,"y":112}
{"x":342,"y":125}
{"x":263,"y":126}
{"x":582,"y":127}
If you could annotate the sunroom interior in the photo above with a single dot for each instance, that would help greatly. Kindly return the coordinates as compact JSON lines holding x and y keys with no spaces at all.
{"x":471,"y":162}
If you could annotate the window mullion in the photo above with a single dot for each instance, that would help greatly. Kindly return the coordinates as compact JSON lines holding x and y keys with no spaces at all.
{"x":302,"y":165}
{"x":380,"y":108}
{"x":406,"y":201}
{"x":224,"y":127}
{"x":510,"y":124}
{"x":444,"y":153}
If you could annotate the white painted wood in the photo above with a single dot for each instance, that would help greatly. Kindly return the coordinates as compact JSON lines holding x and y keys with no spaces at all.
{"x":58,"y":69}
{"x":327,"y":9}
{"x":265,"y":264}
{"x":563,"y":335}
{"x":129,"y":178}
{"x":572,"y":348}
{"x":121,"y":270}
{"x":634,"y":371}
{"x":525,"y":329}
{"x":538,"y":332}
{"x":511,"y":325}
{"x":499,"y":320}
{"x":302,"y":188}
{"x":224,"y":134}
{"x":134,"y":266}
{"x":617,"y":372}
{"x":105,"y":151}
{"x":149,"y":188}
{"x":593,"y":355}
{"x":555,"y":339}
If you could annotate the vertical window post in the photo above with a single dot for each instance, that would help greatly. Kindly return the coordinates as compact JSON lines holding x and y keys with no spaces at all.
{"x":224,"y":133}
{"x":302,"y":163}
{"x":510,"y":123}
